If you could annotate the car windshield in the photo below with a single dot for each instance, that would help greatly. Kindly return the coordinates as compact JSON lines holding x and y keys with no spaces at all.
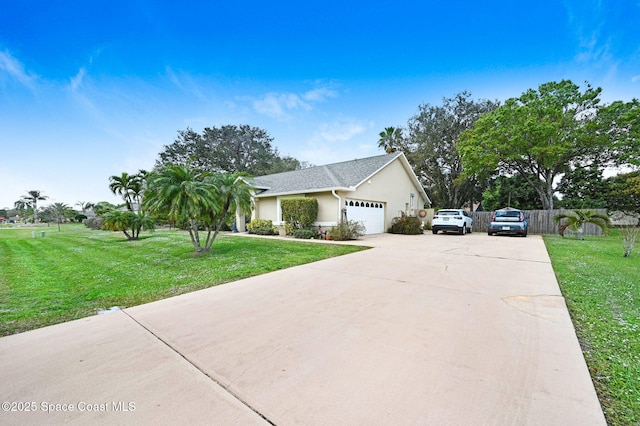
{"x":508,"y":213}
{"x":447,"y":213}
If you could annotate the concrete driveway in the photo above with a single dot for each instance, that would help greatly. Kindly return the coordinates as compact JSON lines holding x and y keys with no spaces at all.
{"x":420,"y":330}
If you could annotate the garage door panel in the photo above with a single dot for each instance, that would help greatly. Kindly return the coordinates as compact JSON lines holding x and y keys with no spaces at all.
{"x":370,"y":213}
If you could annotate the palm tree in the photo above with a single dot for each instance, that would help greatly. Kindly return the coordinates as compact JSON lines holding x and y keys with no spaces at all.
{"x":197,"y":199}
{"x":390,"y":139}
{"x":31,"y":200}
{"x":128,"y":222}
{"x":576,"y":220}
{"x":232,"y":193}
{"x":183,"y":194}
{"x":129,"y":187}
{"x":85,"y":206}
{"x":59,"y":212}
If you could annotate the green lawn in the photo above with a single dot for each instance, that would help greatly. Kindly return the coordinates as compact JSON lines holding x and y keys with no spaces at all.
{"x":77,"y":272}
{"x":602,"y":290}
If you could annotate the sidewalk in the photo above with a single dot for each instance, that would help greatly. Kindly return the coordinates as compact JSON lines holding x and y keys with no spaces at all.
{"x":429,"y":329}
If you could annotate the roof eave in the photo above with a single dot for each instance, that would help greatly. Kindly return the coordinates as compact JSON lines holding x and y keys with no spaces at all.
{"x":305,"y":191}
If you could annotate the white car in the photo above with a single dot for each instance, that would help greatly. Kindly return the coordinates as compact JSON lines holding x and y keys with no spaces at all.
{"x":452,"y":220}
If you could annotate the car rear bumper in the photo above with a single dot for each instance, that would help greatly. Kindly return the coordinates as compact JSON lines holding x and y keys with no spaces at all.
{"x":446,"y":228}
{"x":507,"y":229}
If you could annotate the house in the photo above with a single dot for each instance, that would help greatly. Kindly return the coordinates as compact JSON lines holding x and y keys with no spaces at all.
{"x":371,"y":190}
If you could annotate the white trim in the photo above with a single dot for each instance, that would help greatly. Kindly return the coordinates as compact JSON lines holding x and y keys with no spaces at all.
{"x":339,"y":216}
{"x":306,"y":191}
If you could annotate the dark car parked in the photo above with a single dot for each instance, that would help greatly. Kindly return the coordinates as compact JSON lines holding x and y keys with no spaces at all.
{"x":508,"y":221}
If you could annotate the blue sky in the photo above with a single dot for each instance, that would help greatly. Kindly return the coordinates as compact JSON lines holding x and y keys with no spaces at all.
{"x":90,"y":89}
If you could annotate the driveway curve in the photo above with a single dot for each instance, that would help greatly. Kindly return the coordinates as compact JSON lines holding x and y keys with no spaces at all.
{"x":427,"y":329}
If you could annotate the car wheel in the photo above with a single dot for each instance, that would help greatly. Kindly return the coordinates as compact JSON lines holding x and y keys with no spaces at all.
{"x":489,"y":234}
{"x":435,"y":231}
{"x":463,"y":231}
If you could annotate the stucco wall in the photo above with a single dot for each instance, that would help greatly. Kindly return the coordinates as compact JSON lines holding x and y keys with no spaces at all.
{"x":267,"y":208}
{"x":328,"y":214}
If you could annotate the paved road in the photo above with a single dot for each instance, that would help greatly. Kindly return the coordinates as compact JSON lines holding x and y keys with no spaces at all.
{"x":427,"y":330}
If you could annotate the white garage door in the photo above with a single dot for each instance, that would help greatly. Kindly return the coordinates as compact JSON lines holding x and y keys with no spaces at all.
{"x":370,"y":213}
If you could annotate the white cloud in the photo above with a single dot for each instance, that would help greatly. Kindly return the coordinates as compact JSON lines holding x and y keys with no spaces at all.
{"x":320,"y":94}
{"x":635,"y":78}
{"x":281,"y":106}
{"x":278,"y":105}
{"x":14,"y":69}
{"x":342,"y":130}
{"x":186,"y":83}
{"x":76,"y":81}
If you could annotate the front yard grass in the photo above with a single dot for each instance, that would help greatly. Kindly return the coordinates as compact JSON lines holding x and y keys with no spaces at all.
{"x":602,"y":291}
{"x":77,"y":272}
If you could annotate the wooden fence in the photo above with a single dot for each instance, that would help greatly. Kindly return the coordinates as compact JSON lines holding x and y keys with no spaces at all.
{"x":540,"y":221}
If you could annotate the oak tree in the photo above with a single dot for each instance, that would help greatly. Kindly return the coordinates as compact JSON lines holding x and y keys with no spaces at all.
{"x":548,"y":132}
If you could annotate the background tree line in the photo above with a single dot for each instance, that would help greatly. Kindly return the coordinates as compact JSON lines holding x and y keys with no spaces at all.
{"x":557,"y":139}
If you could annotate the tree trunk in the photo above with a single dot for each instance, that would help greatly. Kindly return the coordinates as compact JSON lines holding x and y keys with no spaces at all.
{"x":195,"y":236}
{"x":215,"y":234}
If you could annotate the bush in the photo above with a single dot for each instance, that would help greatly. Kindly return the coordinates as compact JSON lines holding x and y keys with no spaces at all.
{"x":349,"y":230}
{"x":299,"y":213}
{"x":305,"y":234}
{"x":93,"y":222}
{"x":262,"y":227}
{"x":406,"y":225}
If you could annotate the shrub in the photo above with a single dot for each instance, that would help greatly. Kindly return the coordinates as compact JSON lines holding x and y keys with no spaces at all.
{"x":406,"y":225}
{"x":299,"y":213}
{"x":93,"y":222}
{"x":349,"y":230}
{"x":262,"y":227}
{"x":305,"y":234}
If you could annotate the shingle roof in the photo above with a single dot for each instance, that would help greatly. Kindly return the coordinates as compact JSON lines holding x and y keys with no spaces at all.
{"x":344,"y":175}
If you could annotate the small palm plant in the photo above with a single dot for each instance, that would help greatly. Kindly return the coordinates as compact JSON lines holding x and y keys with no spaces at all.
{"x":575,"y":221}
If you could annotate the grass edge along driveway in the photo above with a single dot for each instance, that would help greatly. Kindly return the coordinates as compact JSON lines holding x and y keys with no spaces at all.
{"x":77,"y":272}
{"x":602,"y":292}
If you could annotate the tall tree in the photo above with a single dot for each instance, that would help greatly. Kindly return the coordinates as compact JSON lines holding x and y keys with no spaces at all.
{"x":390,"y":139}
{"x":85,"y":206}
{"x":617,"y":126}
{"x":583,"y":188}
{"x":546,"y":132}
{"x":286,"y":164}
{"x":510,"y":191}
{"x":623,"y":193}
{"x":130,"y":188}
{"x":232,"y":193}
{"x":196,"y":198}
{"x":31,"y":201}
{"x":58,"y":212}
{"x":431,"y":148}
{"x":228,"y":149}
